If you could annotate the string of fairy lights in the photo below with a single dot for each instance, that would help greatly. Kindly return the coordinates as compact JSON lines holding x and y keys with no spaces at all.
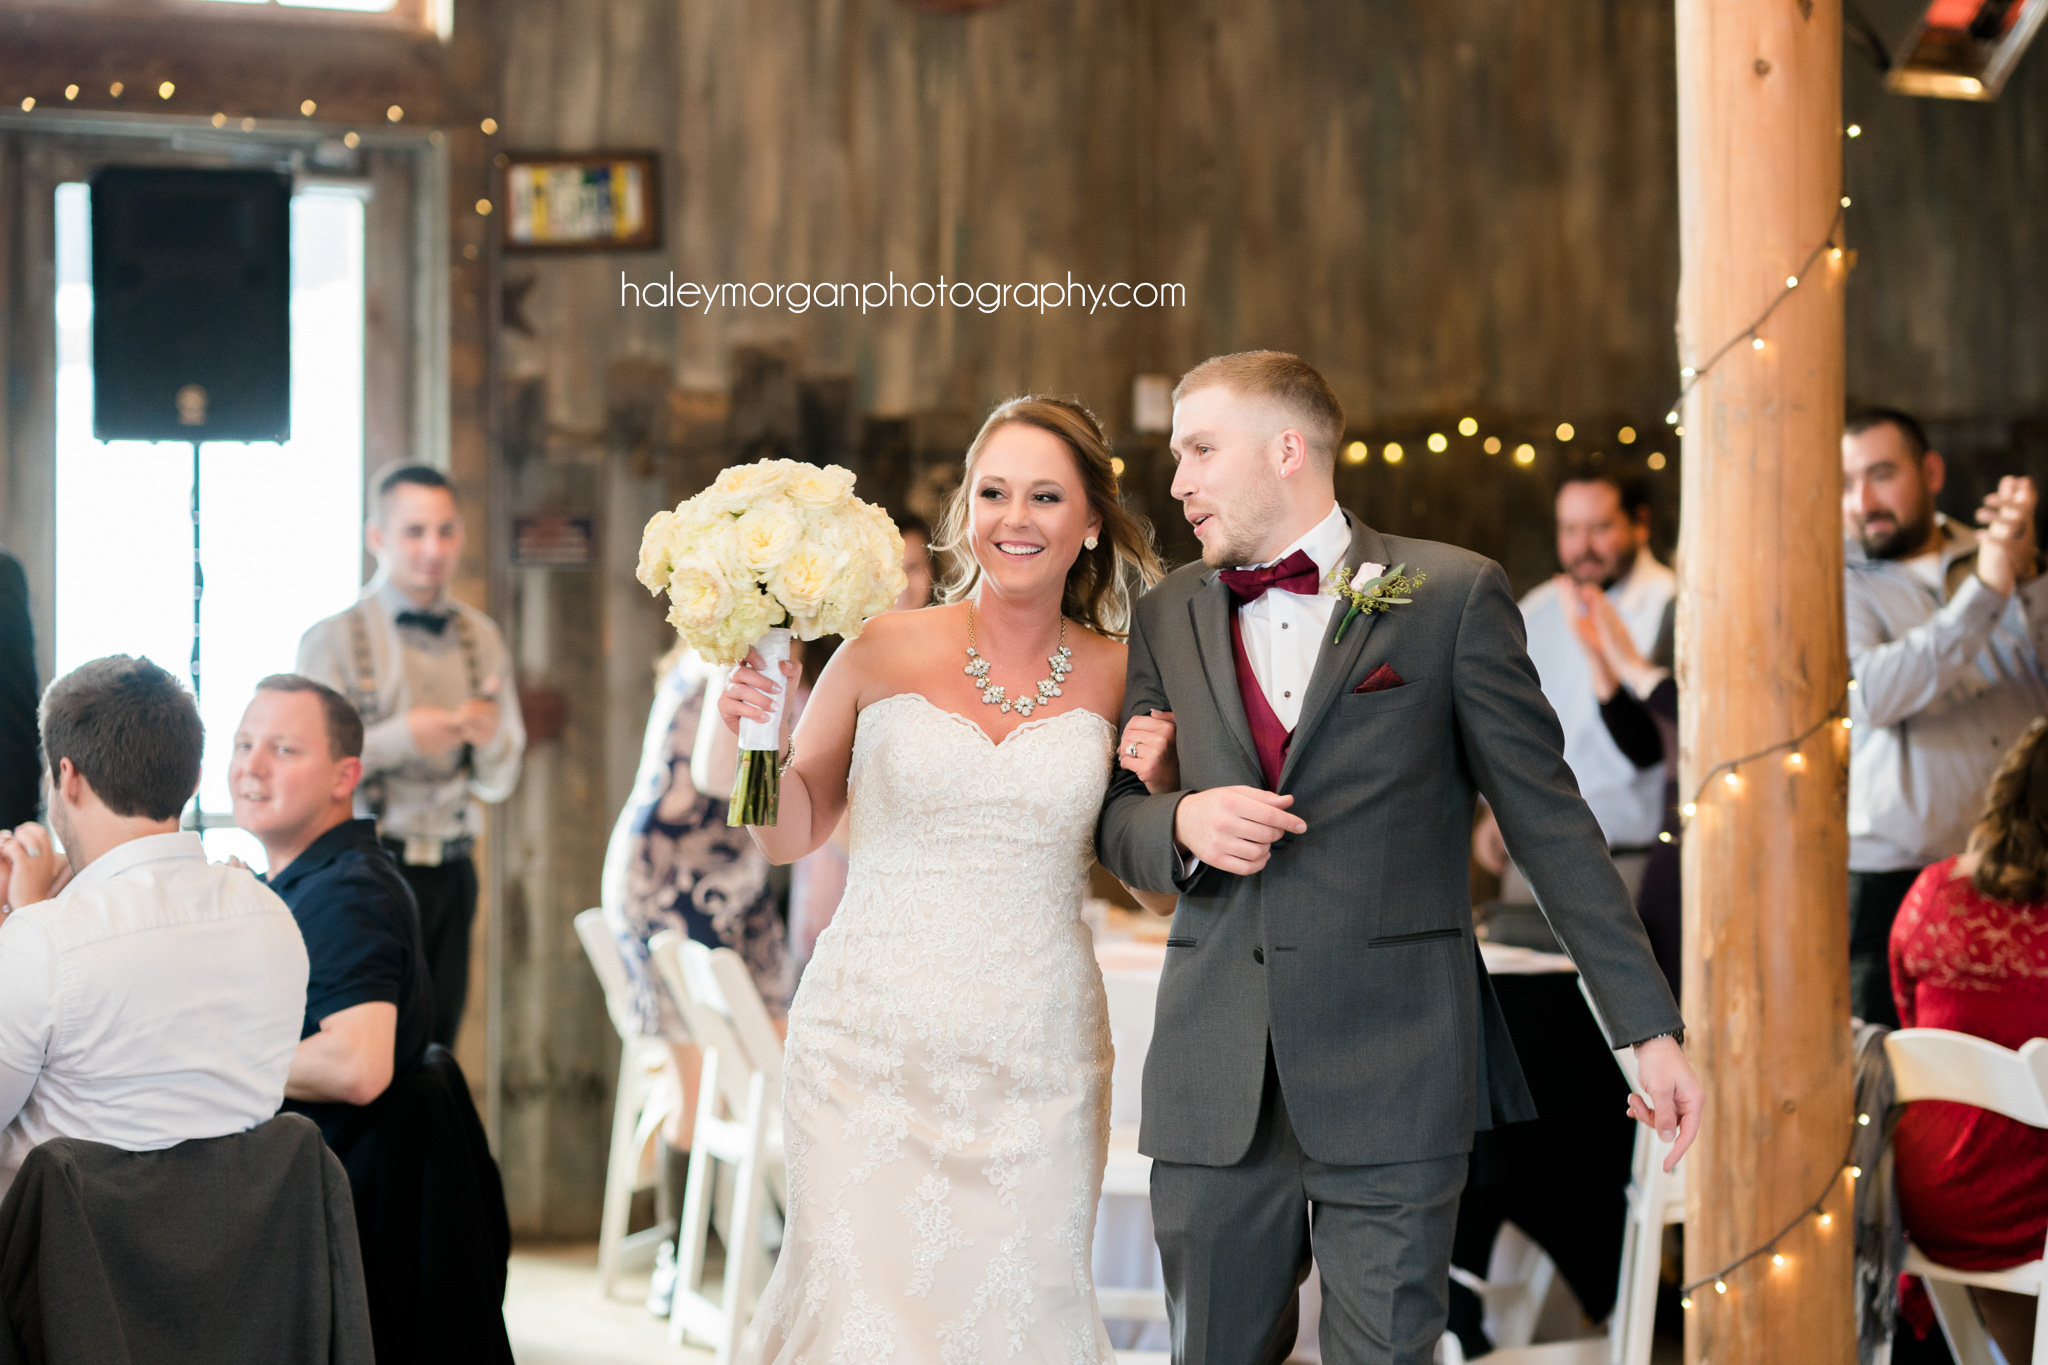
{"x":1817,"y":1211}
{"x":1726,"y":777}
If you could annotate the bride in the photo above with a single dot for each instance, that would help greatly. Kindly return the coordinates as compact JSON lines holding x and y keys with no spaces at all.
{"x":946,"y":1094}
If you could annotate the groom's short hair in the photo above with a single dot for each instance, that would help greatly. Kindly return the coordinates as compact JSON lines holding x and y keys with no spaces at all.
{"x":1281,"y":378}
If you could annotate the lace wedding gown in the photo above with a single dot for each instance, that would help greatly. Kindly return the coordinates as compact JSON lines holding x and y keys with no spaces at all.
{"x":946,"y":1086}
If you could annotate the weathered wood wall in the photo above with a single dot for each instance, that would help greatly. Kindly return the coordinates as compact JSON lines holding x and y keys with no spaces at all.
{"x":1468,"y":207}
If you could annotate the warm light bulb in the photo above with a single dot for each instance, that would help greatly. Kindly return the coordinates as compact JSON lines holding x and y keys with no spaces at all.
{"x":307,"y":107}
{"x":1116,"y":462}
{"x":1827,"y":1220}
{"x":1720,"y":1286}
{"x":1687,"y":373}
{"x":165,"y":90}
{"x":1863,"y":1120}
{"x":1493,"y":445}
{"x":1852,"y":684}
{"x":1678,"y":431}
{"x":394,"y":113}
{"x":1855,"y":130}
{"x":489,"y":125}
{"x":1356,"y":453}
{"x":28,"y":102}
{"x":483,"y":206}
{"x":1671,"y":418}
{"x":1663,"y":836}
{"x":1627,"y":436}
{"x":1732,"y":780}
{"x":1835,"y":254}
{"x":248,"y":125}
{"x":1791,"y":281}
{"x":1778,"y":1259}
{"x":220,"y":120}
{"x":1845,"y":201}
{"x":1564,"y":431}
{"x":1756,"y":343}
{"x":1686,"y":1303}
{"x":350,"y":140}
{"x":1656,"y":460}
{"x":1392,"y":452}
{"x":1688,"y":810}
{"x":70,"y":92}
{"x":1438,"y":442}
{"x":1796,"y":761}
{"x":115,"y":89}
{"x":1848,"y":724}
{"x":1468,"y":426}
{"x":1525,"y":454}
{"x":1855,"y":1172}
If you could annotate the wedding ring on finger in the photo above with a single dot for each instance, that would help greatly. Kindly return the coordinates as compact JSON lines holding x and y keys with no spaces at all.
{"x":1131,"y":749}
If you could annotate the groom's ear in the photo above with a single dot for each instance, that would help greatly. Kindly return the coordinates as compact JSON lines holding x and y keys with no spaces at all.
{"x":1291,"y":449}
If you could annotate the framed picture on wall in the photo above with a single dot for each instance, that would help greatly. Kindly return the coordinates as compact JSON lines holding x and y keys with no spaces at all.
{"x":587,"y":201}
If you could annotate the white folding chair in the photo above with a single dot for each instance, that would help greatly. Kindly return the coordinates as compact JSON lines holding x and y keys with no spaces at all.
{"x":1128,"y":1172}
{"x":1937,"y":1064}
{"x":1656,"y":1200}
{"x":646,"y":1097}
{"x":736,"y":1128}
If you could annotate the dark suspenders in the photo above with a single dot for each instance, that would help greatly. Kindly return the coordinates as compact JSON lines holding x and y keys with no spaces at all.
{"x":363,"y":684}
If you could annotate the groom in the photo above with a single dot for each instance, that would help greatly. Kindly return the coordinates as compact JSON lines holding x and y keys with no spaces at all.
{"x":1327,"y":1040}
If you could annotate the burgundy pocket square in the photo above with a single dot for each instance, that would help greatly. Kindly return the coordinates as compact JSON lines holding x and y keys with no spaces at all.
{"x":1379,"y":680}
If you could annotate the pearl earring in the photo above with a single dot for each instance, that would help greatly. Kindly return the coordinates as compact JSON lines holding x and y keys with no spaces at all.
{"x":1090,"y":542}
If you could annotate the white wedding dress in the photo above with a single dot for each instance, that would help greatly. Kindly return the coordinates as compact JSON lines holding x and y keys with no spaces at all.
{"x":946,"y":1086}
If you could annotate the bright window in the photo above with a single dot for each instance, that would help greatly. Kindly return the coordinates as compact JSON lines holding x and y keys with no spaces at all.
{"x":281,"y":525}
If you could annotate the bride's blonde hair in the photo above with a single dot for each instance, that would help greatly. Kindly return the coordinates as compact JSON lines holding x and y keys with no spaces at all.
{"x":1104,"y":581}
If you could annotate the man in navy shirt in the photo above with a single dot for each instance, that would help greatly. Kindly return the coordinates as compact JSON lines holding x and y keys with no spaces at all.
{"x":369,"y":1007}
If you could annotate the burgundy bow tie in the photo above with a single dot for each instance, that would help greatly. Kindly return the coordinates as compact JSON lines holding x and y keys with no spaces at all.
{"x":1297,"y":574}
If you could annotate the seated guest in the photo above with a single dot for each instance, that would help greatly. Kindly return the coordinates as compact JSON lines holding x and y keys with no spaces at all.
{"x":297,"y":760}
{"x":157,"y":997}
{"x":1969,"y":952}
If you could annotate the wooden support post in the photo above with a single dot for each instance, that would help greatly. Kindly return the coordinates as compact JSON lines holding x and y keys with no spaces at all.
{"x":1762,"y":658}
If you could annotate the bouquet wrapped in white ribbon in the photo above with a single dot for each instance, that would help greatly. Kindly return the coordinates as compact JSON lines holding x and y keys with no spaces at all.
{"x":772,"y":550}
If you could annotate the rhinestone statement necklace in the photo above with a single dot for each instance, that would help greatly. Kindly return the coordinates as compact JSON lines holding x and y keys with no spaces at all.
{"x":992,"y":694}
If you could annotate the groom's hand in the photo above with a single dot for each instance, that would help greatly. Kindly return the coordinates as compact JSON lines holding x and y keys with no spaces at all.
{"x":1675,"y":1096}
{"x":1234,"y":828}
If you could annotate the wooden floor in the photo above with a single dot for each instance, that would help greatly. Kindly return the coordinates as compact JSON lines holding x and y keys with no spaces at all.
{"x":555,"y":1317}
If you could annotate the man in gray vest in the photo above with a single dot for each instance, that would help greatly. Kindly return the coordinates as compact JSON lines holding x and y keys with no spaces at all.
{"x":1327,"y":1037}
{"x":441,"y":726}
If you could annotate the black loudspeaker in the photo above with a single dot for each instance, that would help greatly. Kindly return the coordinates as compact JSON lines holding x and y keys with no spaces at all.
{"x":191,"y":330}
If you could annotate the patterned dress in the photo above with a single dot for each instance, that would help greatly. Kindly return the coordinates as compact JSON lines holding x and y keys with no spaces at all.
{"x":674,"y":863}
{"x":946,"y":1086}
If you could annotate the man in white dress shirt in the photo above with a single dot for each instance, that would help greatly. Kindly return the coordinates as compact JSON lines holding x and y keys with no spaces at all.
{"x":1603,"y":540}
{"x":155,"y":997}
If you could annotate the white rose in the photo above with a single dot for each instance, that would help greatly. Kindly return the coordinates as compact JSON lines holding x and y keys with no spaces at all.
{"x":752,"y":480}
{"x":657,"y":551}
{"x":766,"y":535}
{"x":698,"y":596}
{"x":1366,"y":573}
{"x":804,"y":579}
{"x":827,"y":487}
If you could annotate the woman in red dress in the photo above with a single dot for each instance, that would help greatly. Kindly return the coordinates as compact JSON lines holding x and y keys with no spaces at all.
{"x":1969,"y":952}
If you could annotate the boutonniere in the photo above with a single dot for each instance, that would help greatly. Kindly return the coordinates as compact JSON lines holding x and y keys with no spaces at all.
{"x":1370,"y":588}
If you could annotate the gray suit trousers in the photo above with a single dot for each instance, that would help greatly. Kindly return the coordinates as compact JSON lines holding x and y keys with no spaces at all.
{"x":1237,"y":1240}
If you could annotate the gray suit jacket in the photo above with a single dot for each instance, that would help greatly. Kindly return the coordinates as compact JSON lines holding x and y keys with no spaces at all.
{"x":1352,"y":950}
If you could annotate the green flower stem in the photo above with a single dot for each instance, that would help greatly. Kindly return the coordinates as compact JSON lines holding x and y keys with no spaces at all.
{"x":1353,"y":611}
{"x":756,"y":788}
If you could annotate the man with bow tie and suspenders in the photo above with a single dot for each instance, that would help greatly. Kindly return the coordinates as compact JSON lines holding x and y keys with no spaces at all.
{"x":441,"y":725}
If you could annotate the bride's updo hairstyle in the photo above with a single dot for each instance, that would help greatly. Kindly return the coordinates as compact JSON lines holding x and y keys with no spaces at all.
{"x":1103,"y":581}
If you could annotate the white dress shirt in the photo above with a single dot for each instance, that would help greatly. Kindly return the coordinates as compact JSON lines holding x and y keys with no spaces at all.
{"x":1283,"y":631}
{"x":158,"y":997}
{"x":1627,"y":801}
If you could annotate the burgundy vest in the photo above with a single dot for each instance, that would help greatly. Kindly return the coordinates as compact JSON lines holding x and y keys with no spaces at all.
{"x":1269,"y":736}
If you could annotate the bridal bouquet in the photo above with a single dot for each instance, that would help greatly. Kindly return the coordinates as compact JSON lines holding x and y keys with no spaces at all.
{"x":773,"y":549}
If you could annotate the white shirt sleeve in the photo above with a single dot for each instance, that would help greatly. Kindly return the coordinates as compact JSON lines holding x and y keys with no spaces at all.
{"x":28,"y":1010}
